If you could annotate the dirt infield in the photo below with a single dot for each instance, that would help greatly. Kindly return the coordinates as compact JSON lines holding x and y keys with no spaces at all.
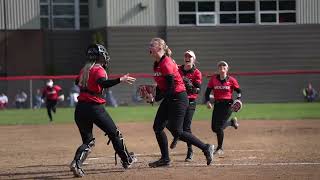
{"x":257,"y":150}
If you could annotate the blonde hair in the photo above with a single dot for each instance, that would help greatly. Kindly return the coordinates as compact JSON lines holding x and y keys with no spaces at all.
{"x":83,"y":80}
{"x":164,"y":46}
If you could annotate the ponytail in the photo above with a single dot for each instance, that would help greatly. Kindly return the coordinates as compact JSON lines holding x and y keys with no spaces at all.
{"x":167,"y":51}
{"x":83,"y":80}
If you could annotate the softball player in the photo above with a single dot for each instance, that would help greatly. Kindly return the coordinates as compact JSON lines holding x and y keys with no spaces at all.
{"x":172,"y":110}
{"x":90,"y":110}
{"x":192,"y":79}
{"x":51,"y":93}
{"x":222,"y":86}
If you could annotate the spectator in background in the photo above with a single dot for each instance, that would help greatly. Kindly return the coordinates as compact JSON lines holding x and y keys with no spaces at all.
{"x":111,"y":101}
{"x":37,"y":100}
{"x":309,"y":93}
{"x":73,"y":96}
{"x":21,"y":99}
{"x":3,"y":101}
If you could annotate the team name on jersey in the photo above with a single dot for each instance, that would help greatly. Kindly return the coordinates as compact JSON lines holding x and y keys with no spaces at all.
{"x":157,"y":74}
{"x":52,"y":92}
{"x":222,"y":87}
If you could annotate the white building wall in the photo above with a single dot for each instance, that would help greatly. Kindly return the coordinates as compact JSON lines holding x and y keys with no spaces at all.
{"x":20,"y":14}
{"x":308,"y":11}
{"x":136,"y":13}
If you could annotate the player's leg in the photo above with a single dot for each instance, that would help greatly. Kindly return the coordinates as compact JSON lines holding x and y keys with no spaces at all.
{"x":49,"y":106}
{"x":186,"y":123}
{"x":85,"y":125}
{"x":187,"y":127}
{"x":217,"y":125}
{"x":159,"y":124}
{"x":54,"y":106}
{"x":177,"y":111}
{"x":103,"y":120}
{"x":225,"y":115}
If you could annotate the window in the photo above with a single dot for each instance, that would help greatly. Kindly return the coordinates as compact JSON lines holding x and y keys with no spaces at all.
{"x":237,"y":12}
{"x":197,"y":13}
{"x":62,"y":14}
{"x":277,"y":11}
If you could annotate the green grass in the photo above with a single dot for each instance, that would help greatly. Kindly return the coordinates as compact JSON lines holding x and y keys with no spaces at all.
{"x":276,"y":111}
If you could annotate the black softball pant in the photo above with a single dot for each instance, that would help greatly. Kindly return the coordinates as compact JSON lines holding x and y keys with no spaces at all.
{"x":220,"y":119}
{"x":51,"y":106}
{"x":188,"y":119}
{"x":171,"y":114}
{"x":87,"y":114}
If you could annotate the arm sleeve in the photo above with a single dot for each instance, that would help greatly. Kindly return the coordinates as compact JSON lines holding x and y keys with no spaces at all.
{"x":238,"y":90}
{"x":170,"y":85}
{"x":106,"y":83}
{"x":159,"y":95}
{"x":207,"y":94}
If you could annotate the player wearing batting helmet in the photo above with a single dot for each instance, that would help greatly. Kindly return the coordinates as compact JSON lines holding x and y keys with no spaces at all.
{"x":172,"y":110}
{"x":222,"y":86}
{"x":90,"y":109}
{"x":192,"y":79}
{"x":51,"y":93}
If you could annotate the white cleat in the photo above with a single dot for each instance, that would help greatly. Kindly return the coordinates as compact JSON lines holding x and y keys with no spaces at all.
{"x":234,"y":122}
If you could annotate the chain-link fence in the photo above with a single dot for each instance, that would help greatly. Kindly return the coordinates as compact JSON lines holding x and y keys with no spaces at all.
{"x":256,"y":87}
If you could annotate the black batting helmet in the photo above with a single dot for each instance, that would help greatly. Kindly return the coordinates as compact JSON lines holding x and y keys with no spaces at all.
{"x":96,"y":50}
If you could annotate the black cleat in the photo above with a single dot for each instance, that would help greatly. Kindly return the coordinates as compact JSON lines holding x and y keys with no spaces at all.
{"x":160,"y":163}
{"x":189,"y":155}
{"x":209,"y":153}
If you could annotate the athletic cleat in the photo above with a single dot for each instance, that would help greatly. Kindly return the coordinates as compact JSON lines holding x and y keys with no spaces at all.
{"x":189,"y":156}
{"x":77,"y":171}
{"x":219,"y":152}
{"x":174,"y":143}
{"x":234,"y":122}
{"x":209,"y":153}
{"x":160,"y":163}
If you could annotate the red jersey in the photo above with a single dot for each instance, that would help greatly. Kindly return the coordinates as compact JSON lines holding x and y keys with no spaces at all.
{"x":222,"y":90}
{"x":51,"y":93}
{"x":93,"y":89}
{"x":195,"y":77}
{"x":167,"y":66}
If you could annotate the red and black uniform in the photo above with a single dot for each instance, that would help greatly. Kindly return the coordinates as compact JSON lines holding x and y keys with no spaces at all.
{"x":192,"y":79}
{"x":172,"y":110}
{"x":90,"y":110}
{"x":222,"y":92}
{"x":51,"y":95}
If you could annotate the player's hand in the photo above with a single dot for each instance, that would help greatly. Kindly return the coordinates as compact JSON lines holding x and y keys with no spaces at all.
{"x":128,"y":79}
{"x":149,"y":98}
{"x":209,"y":105}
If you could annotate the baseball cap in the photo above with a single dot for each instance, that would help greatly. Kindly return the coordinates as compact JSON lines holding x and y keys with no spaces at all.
{"x":222,"y":63}
{"x":191,"y":53}
{"x":49,"y":83}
